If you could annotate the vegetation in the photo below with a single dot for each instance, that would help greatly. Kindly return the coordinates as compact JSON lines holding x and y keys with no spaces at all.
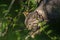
{"x":12,"y":18}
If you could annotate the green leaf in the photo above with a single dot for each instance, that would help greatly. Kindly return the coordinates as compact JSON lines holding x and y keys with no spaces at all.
{"x":33,"y":1}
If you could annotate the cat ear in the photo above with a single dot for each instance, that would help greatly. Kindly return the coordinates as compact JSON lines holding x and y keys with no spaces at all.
{"x":42,"y":15}
{"x":25,"y":13}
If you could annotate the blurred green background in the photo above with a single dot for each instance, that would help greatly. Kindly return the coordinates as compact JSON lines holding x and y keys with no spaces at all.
{"x":12,"y":20}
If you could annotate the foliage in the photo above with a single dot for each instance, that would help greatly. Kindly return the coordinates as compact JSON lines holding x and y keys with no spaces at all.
{"x":12,"y":25}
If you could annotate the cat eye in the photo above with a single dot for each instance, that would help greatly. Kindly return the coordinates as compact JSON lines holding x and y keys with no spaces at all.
{"x":29,"y":24}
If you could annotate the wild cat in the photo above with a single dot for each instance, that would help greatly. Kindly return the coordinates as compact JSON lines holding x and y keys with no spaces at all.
{"x":45,"y":11}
